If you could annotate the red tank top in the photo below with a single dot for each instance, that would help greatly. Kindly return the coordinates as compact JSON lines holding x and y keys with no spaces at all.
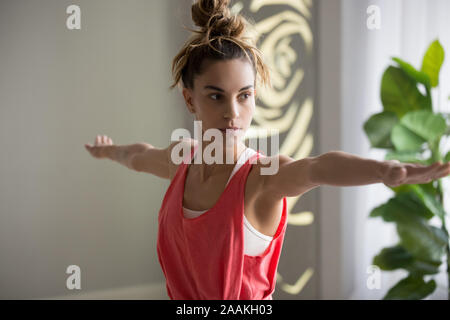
{"x":203,"y":258}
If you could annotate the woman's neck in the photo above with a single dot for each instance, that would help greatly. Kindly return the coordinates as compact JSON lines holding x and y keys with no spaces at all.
{"x":208,"y":170}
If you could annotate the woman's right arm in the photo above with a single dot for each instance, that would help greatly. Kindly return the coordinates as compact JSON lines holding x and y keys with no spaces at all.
{"x":141,"y":157}
{"x":124,"y":154}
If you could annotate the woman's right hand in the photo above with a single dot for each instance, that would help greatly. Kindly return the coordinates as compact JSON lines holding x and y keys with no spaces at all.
{"x":98,"y":149}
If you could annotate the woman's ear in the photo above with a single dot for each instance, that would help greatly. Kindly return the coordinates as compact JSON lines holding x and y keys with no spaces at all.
{"x":187,"y":94}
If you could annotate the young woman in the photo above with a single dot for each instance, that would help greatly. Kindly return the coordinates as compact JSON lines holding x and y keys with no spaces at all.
{"x":221,"y":226}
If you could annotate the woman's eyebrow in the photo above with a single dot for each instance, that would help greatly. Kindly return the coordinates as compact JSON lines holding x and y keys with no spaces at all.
{"x":221,"y":90}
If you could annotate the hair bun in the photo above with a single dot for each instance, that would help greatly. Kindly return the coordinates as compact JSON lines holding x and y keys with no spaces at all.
{"x":215,"y":19}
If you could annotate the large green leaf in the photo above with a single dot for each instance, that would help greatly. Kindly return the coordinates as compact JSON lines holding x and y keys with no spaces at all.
{"x":424,"y":242}
{"x":446,"y":116}
{"x":418,"y":76}
{"x":399,"y":93}
{"x":429,"y":200}
{"x":405,"y":139}
{"x":397,"y":257}
{"x":378,"y":211}
{"x":392,"y":258}
{"x":378,"y":129}
{"x":432,"y":62}
{"x":411,"y":288}
{"x":425,"y":123}
{"x":430,"y":188}
{"x":403,"y":207}
{"x":427,"y":194}
{"x":416,"y":128}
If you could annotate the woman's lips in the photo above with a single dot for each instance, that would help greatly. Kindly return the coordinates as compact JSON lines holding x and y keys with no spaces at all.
{"x":230,"y":129}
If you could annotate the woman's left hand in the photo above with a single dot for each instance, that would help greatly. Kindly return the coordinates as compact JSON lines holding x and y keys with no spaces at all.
{"x":398,"y":173}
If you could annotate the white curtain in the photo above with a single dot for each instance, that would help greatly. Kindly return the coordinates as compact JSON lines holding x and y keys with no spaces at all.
{"x":407,"y":28}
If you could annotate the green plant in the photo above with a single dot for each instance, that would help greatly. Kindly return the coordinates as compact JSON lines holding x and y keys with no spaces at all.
{"x":411,"y":132}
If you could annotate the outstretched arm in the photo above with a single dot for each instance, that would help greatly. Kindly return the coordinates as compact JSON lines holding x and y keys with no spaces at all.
{"x":141,"y":157}
{"x":338,"y":168}
{"x":105,"y":148}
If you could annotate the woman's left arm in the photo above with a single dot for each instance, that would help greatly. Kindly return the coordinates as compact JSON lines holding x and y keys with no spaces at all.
{"x":338,"y":168}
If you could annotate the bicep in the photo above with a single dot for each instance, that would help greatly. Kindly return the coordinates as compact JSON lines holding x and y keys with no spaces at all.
{"x":292,"y":179}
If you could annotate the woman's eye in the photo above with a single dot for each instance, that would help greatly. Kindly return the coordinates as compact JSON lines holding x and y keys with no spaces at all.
{"x":217,"y":96}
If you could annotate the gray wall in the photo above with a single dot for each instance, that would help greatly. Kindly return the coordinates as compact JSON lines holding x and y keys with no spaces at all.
{"x":59,"y":88}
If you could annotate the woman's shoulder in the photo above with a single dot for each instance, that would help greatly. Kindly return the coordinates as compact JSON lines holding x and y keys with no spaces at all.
{"x":265,"y":166}
{"x":181,"y":146}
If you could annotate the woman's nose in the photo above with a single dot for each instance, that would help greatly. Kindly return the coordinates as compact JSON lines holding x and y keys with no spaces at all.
{"x":232,"y":111}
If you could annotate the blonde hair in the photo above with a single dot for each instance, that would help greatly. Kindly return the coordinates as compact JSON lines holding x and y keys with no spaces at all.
{"x":222,"y":36}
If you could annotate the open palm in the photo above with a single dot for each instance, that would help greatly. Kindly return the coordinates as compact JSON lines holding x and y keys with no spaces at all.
{"x":97,"y":150}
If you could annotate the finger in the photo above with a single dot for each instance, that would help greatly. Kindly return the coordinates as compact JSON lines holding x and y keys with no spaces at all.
{"x":444,"y":170}
{"x":97,"y":140}
{"x":438,"y":166}
{"x":436,"y":170}
{"x":439,"y":170}
{"x":422,"y":170}
{"x":417,"y":173}
{"x":433,"y":168}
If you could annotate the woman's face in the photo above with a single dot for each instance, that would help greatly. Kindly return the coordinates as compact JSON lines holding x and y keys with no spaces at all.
{"x":223,"y":96}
